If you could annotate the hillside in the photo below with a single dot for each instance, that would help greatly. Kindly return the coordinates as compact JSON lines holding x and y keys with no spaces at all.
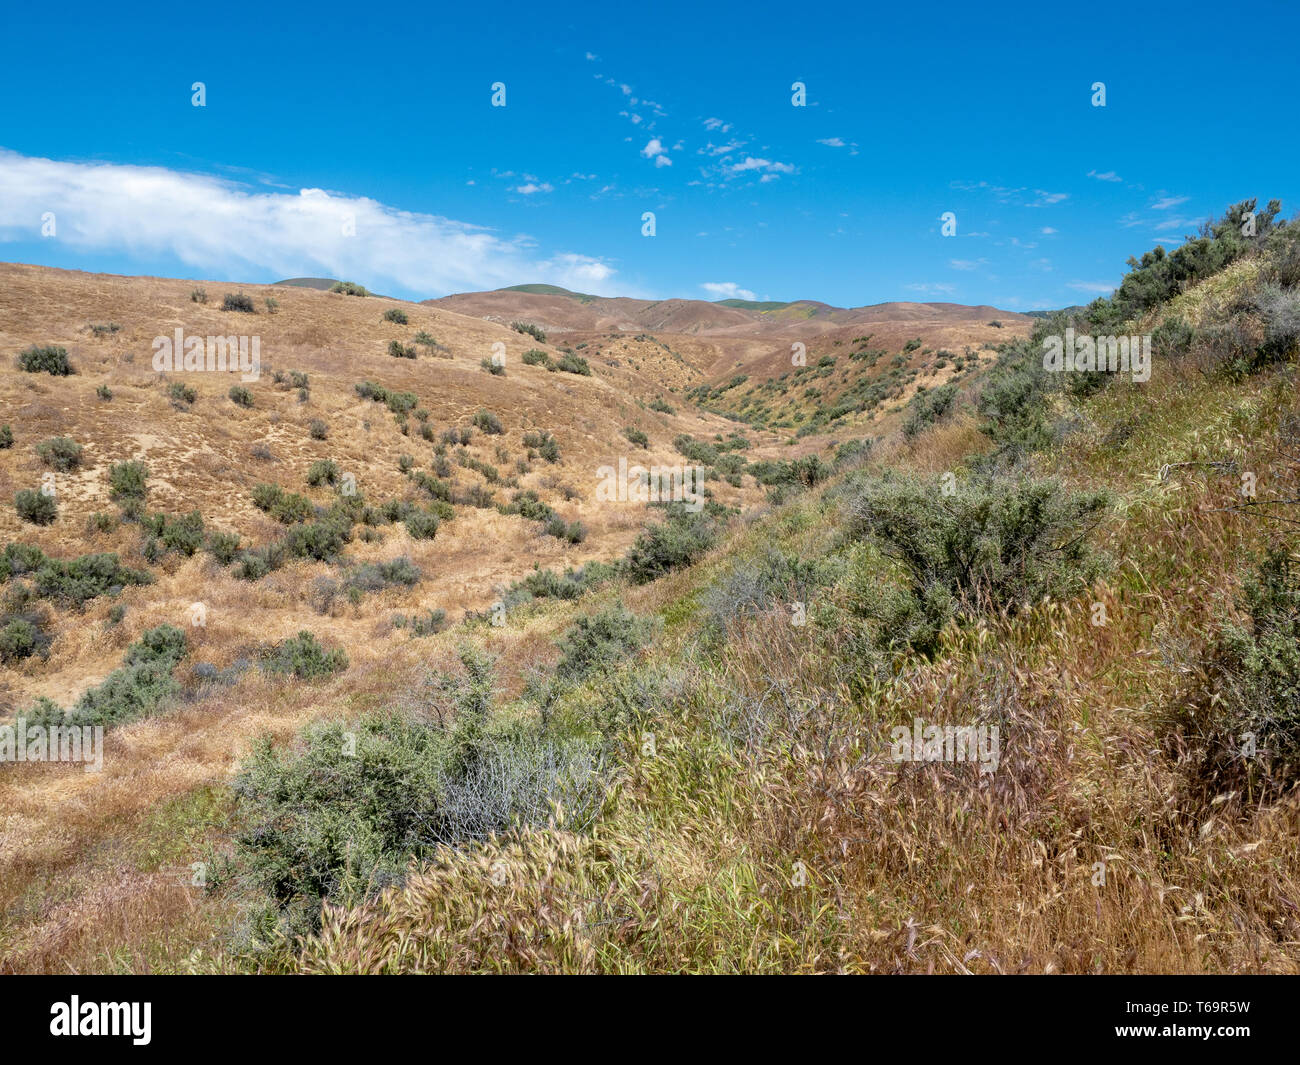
{"x":564,"y":732}
{"x":802,"y":366}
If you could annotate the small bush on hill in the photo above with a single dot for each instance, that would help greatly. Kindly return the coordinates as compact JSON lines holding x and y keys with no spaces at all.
{"x":35,"y":507}
{"x":49,"y":359}
{"x":677,"y":541}
{"x":60,"y":453}
{"x":996,"y":544}
{"x":303,"y":657}
{"x":600,"y":641}
{"x":534,"y":331}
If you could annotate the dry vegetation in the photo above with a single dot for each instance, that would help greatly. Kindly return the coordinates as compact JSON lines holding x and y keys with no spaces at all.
{"x":748,"y":816}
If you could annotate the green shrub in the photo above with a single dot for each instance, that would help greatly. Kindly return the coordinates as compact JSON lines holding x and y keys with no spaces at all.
{"x":489,"y":423}
{"x":303,"y":657}
{"x":422,"y":525}
{"x":528,"y":504}
{"x":18,"y":559}
{"x":496,"y":369}
{"x":322,"y":471}
{"x":531,"y":330}
{"x":349,"y":288}
{"x":320,"y":825}
{"x":272,"y":305}
{"x":547,"y":584}
{"x":318,"y":429}
{"x":376,"y":576}
{"x":1015,"y":399}
{"x":223,"y":546}
{"x":600,"y":641}
{"x":1245,"y":726}
{"x":35,"y":507}
{"x":104,"y":392}
{"x":536,"y":357}
{"x":49,"y":359}
{"x":183,"y":535}
{"x":198,"y":295}
{"x":266,"y":496}
{"x":60,"y":453}
{"x":77,"y":580}
{"x":142,"y":686}
{"x":1172,"y":337}
{"x":240,"y":396}
{"x":677,"y":541}
{"x":321,"y":540}
{"x":6,"y":437}
{"x":181,"y":394}
{"x":995,"y":544}
{"x":395,"y":314}
{"x":238,"y":301}
{"x":661,"y":405}
{"x":18,"y":640}
{"x":636,"y":436}
{"x":927,"y":408}
{"x":398,"y":350}
{"x":256,"y":563}
{"x":570,"y":363}
{"x":437,"y":489}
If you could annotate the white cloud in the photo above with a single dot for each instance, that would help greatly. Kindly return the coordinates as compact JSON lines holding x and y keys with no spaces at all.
{"x":656,"y":151}
{"x":1047,"y":231}
{"x":533,"y":187}
{"x":1109,"y":175}
{"x":1102,"y":288}
{"x":727,"y":290}
{"x":1166,"y":202}
{"x":224,"y":230}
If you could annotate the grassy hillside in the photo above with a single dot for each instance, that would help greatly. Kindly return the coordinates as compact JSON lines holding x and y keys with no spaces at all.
{"x":675,"y":746}
{"x":1090,"y":580}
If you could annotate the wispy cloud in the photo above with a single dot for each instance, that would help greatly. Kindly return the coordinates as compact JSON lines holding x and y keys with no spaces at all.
{"x":839,"y":142}
{"x":1101,"y":288}
{"x":224,"y":229}
{"x":1164,"y":203}
{"x":1109,"y":175}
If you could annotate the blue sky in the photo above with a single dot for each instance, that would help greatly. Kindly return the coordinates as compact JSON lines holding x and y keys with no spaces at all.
{"x":379,"y":119}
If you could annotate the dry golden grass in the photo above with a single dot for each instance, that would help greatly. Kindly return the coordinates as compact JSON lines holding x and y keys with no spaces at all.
{"x":63,"y":824}
{"x":929,"y":867}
